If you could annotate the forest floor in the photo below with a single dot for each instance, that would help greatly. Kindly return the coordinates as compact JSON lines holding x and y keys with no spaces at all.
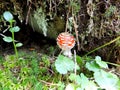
{"x":35,"y":68}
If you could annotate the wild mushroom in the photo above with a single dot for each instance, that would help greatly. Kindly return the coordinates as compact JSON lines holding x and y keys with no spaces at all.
{"x":66,"y":42}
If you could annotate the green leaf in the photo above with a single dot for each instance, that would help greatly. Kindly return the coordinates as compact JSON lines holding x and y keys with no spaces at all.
{"x":8,"y":39}
{"x":8,"y":16}
{"x":101,"y":63}
{"x":75,"y":78}
{"x":118,"y":84}
{"x":92,"y":66}
{"x":91,"y":86}
{"x":64,"y":64}
{"x":61,"y":85}
{"x":70,"y":87}
{"x":15,"y":29}
{"x":79,"y":60}
{"x":78,"y":88}
{"x":106,"y":80}
{"x":19,"y":44}
{"x":84,"y":81}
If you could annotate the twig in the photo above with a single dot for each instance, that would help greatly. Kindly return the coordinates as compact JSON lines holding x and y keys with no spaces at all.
{"x":6,"y":29}
{"x":2,"y":35}
{"x":67,"y":20}
{"x":50,"y":8}
{"x":76,"y":32}
{"x":48,"y":83}
{"x":28,"y":13}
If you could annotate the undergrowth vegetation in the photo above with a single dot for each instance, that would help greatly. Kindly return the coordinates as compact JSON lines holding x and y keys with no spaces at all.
{"x":39,"y":71}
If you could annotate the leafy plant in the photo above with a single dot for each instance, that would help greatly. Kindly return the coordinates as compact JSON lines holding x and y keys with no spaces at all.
{"x":9,"y":17}
{"x":64,"y":64}
{"x":107,"y":80}
{"x":101,"y":79}
{"x":33,"y":72}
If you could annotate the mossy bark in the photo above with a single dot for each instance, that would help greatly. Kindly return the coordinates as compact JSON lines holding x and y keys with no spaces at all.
{"x":54,"y":27}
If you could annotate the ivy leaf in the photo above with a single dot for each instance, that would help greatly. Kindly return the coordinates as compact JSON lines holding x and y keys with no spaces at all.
{"x":106,"y":80}
{"x":15,"y":29}
{"x":101,"y":63}
{"x":8,"y":39}
{"x":8,"y":16}
{"x":19,"y":44}
{"x":64,"y":64}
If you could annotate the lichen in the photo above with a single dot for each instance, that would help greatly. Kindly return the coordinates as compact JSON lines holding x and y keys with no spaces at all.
{"x":40,"y":18}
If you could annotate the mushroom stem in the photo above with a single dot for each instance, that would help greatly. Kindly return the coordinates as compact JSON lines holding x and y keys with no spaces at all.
{"x":67,"y":53}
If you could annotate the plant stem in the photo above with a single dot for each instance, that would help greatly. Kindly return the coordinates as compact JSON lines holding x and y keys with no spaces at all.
{"x":112,"y":41}
{"x":13,"y":37}
{"x":15,"y":49}
{"x":117,"y":65}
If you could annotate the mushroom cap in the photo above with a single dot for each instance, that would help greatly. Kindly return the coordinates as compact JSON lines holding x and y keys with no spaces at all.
{"x":65,"y":41}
